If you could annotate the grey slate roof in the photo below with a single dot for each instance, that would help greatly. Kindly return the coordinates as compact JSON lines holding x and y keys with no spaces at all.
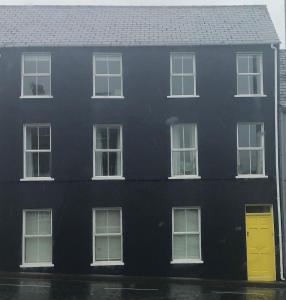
{"x":283,"y":77}
{"x":133,"y":25}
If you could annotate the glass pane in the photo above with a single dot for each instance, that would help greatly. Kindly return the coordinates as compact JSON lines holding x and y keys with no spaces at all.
{"x":44,"y":85}
{"x":44,"y":164}
{"x":177,"y":67}
{"x":189,"y":136}
{"x":101,"y":86}
{"x":192,"y":216}
{"x":43,"y":65}
{"x":32,"y":138}
{"x":177,"y":88}
{"x":45,"y":249}
{"x":101,"y":163}
{"x":29,"y":86}
{"x":101,"y":138}
{"x":255,"y":84}
{"x":114,"y":221}
{"x":243,"y":135}
{"x":31,"y":222}
{"x":189,"y":85}
{"x":178,"y":136}
{"x":114,"y":138}
{"x":101,"y":248}
{"x":44,"y":222}
{"x":179,"y":246}
{"x":242,"y":63}
{"x":256,"y":162}
{"x":193,"y":246}
{"x":115,"y":248}
{"x":44,"y":138}
{"x":190,"y":162}
{"x":242,"y":85}
{"x":101,"y":221}
{"x":30,"y":66}
{"x":32,"y":164}
{"x":255,"y":135}
{"x":101,"y":67}
{"x":179,"y":220}
{"x":31,"y":250}
{"x":114,"y":67}
{"x":188,"y":64}
{"x":115,"y":86}
{"x":254,"y":65}
{"x":178,"y":163}
{"x":243,"y":162}
{"x":114,"y":163}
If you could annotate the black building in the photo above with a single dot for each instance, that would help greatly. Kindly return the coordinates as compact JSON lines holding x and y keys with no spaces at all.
{"x":139,"y":141}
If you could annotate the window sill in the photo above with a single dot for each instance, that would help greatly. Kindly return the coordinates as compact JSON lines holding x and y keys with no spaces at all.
{"x":107,"y":97}
{"x":182,"y":96}
{"x":37,"y":265}
{"x":107,"y":263}
{"x":185,"y":177}
{"x":250,"y":96}
{"x":187,"y":261}
{"x":250,"y":176}
{"x":36,"y":97}
{"x":37,"y":179}
{"x":108,"y":178}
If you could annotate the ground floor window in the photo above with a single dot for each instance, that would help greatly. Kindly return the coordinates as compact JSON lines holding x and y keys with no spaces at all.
{"x":37,"y":238}
{"x":186,"y":235}
{"x":107,"y":236}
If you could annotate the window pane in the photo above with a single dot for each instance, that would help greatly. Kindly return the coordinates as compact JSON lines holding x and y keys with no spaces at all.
{"x":31,"y":250}
{"x":243,"y":135}
{"x":179,"y":220}
{"x":30,"y":66}
{"x":114,"y":67}
{"x":242,"y":63}
{"x":115,"y":86}
{"x":101,"y":66}
{"x":32,"y":138}
{"x":45,"y":249}
{"x":29,"y":86}
{"x":178,"y":164}
{"x":114,"y":163}
{"x":114,"y":138}
{"x":44,"y":85}
{"x":189,"y":136}
{"x":44,"y":164}
{"x":177,"y":67}
{"x":189,"y":84}
{"x":32,"y":164}
{"x":193,"y":246}
{"x":177,"y":85}
{"x":44,"y":222}
{"x":178,"y":136}
{"x":101,"y":163}
{"x":243,"y":162}
{"x":255,"y":135}
{"x":31,"y":218}
{"x":101,"y":86}
{"x":115,"y":248}
{"x":101,"y":138}
{"x":43,"y":65}
{"x":101,"y":221}
{"x":255,"y":84}
{"x":188,"y":64}
{"x":242,"y":85}
{"x":44,"y":138}
{"x":256,"y":162}
{"x":192,"y":216}
{"x":113,"y":221}
{"x":179,"y":247}
{"x":101,"y":248}
{"x":190,"y":162}
{"x":254,"y":65}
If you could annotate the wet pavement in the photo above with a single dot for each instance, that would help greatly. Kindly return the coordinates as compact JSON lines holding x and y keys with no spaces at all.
{"x":131,"y":289}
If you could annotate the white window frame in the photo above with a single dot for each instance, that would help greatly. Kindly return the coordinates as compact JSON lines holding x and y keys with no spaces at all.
{"x":35,"y":265}
{"x":111,"y":57}
{"x":108,"y":177}
{"x":26,"y":178}
{"x":36,"y":54}
{"x":195,"y":176}
{"x":194,"y":75}
{"x":94,"y":234}
{"x":187,"y":261}
{"x":260,"y":56}
{"x":262,"y":175}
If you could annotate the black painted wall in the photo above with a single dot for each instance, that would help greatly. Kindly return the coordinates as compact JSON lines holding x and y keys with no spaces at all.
{"x":146,"y":196}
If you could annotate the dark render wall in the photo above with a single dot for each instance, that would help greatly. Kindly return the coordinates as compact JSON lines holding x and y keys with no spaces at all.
{"x":146,"y":196}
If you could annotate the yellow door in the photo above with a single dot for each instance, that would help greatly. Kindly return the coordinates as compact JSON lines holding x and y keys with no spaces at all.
{"x":260,"y":243}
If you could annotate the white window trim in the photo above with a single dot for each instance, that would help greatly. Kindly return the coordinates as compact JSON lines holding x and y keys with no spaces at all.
{"x":35,"y":265}
{"x":194,"y":74}
{"x":108,"y":177}
{"x":107,"y":262}
{"x":36,"y":74}
{"x":187,"y":261}
{"x":251,"y":176}
{"x":193,"y":176}
{"x":106,"y":75}
{"x":261,"y":94}
{"x":25,"y":178}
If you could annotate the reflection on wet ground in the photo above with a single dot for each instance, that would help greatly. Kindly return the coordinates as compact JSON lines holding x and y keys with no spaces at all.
{"x":101,"y":289}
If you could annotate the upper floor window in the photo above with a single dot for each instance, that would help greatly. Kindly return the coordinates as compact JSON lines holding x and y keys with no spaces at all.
{"x":107,"y":75}
{"x":183,"y":74}
{"x":37,"y":151}
{"x":107,"y":151}
{"x":250,"y":149}
{"x":249,"y":74}
{"x":36,"y":75}
{"x":184,"y":150}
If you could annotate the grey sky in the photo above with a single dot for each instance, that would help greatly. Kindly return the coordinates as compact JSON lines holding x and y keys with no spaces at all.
{"x":275,"y":7}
